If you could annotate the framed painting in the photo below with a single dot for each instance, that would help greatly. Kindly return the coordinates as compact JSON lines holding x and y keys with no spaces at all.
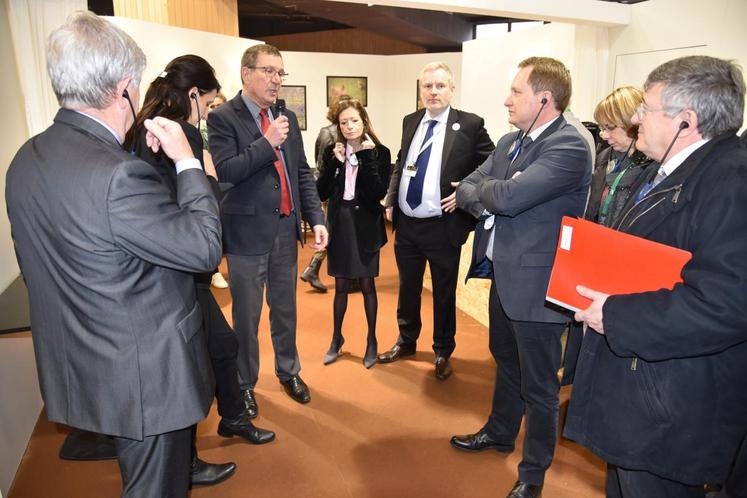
{"x":355,"y":86}
{"x":295,"y":100}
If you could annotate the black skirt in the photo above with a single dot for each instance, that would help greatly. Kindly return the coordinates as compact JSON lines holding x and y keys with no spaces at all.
{"x":344,"y":258}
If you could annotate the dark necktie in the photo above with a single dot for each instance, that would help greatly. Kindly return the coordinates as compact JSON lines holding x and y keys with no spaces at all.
{"x":415,"y":188}
{"x":285,"y":201}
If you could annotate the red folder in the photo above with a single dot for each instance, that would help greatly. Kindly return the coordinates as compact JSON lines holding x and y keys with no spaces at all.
{"x":609,"y":261}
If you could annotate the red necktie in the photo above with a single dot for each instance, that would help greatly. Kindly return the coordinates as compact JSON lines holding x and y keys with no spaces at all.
{"x":285,"y":200}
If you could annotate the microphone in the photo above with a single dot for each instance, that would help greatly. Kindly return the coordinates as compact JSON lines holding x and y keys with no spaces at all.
{"x":514,"y":152}
{"x":683,"y":125}
{"x":193,"y":95}
{"x":278,"y":110}
{"x":126,"y":95}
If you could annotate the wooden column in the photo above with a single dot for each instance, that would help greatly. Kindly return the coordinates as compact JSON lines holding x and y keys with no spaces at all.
{"x":215,"y":16}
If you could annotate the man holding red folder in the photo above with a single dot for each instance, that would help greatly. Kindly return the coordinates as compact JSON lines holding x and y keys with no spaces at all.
{"x":659,"y":388}
{"x":533,"y":178}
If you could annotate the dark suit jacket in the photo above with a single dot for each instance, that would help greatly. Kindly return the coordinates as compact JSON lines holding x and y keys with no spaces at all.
{"x":548,"y":180}
{"x":374,"y":167}
{"x":464,"y":150}
{"x":106,"y":255}
{"x":243,"y":157}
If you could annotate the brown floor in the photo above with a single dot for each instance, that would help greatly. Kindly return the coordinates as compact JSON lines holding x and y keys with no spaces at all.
{"x":382,"y":432}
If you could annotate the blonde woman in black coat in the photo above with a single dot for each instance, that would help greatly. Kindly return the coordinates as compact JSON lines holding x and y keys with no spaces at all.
{"x":354,"y":176}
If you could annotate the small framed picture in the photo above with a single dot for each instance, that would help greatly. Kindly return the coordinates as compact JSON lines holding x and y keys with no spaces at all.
{"x":295,"y":100}
{"x":418,"y":103}
{"x":355,"y":86}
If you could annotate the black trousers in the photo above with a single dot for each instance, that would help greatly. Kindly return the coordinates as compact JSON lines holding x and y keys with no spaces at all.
{"x":416,"y":242}
{"x":624,"y":483}
{"x":528,"y":356}
{"x":157,"y":467}
{"x":223,"y":347}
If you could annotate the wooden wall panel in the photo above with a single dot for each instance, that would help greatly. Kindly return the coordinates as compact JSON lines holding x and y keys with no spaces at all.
{"x":342,"y":41}
{"x":216,"y":16}
{"x":145,"y":10}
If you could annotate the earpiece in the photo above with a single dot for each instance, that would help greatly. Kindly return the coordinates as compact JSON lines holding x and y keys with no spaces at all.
{"x":193,"y":95}
{"x":543,"y":101}
{"x":684,"y":125}
{"x":126,"y":94}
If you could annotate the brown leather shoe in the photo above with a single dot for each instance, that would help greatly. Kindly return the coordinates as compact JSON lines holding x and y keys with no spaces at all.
{"x":398,"y":351}
{"x":525,"y":490}
{"x":443,"y":368}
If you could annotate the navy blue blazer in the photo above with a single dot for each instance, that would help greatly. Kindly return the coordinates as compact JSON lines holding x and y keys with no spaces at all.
{"x":243,"y":157}
{"x":548,"y":180}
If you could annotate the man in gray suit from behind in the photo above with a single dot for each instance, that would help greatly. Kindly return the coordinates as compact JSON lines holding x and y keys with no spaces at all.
{"x":107,"y":257}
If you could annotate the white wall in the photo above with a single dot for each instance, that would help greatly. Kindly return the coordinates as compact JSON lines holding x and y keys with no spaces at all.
{"x":391,"y":79}
{"x":489,"y":65}
{"x":15,"y":132}
{"x":664,"y":29}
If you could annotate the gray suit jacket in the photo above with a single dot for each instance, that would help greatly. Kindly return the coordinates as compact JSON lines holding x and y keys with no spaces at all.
{"x":106,"y":255}
{"x":246,"y":159}
{"x":548,"y":180}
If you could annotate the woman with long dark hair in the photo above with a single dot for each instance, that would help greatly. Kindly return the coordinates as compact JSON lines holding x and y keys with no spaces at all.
{"x":354,"y":176}
{"x":183,"y":92}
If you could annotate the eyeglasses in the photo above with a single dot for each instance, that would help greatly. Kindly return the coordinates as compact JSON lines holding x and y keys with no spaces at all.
{"x":608,"y":128}
{"x":270,"y":72}
{"x":643,"y":109}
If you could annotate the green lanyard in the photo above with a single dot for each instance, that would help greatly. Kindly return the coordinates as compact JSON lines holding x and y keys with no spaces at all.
{"x":608,"y":200}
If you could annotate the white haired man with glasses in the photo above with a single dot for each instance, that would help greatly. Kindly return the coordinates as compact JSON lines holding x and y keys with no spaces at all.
{"x":258,"y":148}
{"x":659,"y":387}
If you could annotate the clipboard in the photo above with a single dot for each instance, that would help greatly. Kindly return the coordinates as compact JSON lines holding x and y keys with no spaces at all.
{"x":609,"y":261}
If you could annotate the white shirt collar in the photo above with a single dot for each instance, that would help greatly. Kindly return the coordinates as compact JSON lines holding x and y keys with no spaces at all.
{"x":441,"y":118}
{"x":538,"y":131}
{"x":111,"y":130}
{"x":679,"y":158}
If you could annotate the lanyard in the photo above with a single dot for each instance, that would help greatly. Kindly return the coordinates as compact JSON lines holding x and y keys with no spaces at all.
{"x":427,"y":143}
{"x":608,"y":200}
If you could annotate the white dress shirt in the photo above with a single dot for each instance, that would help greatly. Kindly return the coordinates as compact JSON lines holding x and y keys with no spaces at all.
{"x":431,"y":204}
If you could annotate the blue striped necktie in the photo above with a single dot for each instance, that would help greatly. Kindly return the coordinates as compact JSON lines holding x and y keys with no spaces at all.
{"x":415,"y":188}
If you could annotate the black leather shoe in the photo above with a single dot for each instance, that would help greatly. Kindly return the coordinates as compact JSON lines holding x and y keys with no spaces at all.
{"x":207,"y":474}
{"x":479,"y":441}
{"x":524,"y":490}
{"x":398,"y":351}
{"x":243,"y":427}
{"x":443,"y":368}
{"x":297,"y":389}
{"x":252,"y":410}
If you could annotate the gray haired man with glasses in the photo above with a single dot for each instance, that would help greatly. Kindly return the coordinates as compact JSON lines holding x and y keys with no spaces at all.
{"x":258,"y":149}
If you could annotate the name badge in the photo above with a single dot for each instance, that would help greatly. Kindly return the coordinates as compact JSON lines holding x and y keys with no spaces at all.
{"x":410,"y":170}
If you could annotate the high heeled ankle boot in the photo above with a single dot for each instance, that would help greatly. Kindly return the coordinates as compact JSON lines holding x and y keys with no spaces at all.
{"x":310,"y":275}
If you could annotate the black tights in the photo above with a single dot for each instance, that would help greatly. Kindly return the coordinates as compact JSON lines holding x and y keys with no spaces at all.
{"x":370,"y":305}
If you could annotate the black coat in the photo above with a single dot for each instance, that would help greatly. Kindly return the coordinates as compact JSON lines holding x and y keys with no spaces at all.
{"x":374,"y":169}
{"x":664,"y":389}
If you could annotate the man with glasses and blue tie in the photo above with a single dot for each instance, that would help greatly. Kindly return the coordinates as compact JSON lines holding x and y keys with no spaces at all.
{"x":440,"y":146}
{"x":536,"y":176}
{"x":259,"y":150}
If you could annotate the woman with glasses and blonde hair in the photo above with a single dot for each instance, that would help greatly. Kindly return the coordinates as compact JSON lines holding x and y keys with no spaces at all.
{"x":354,"y":177}
{"x":619,"y":165}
